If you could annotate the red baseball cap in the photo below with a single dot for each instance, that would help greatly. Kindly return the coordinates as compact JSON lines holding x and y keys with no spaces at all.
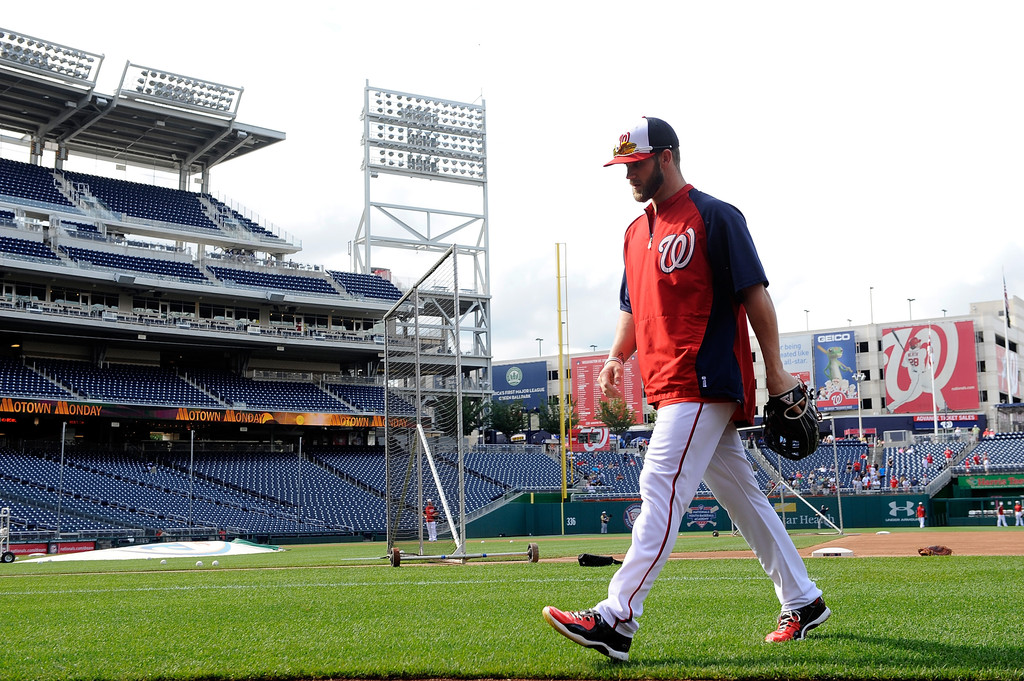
{"x":650,"y":136}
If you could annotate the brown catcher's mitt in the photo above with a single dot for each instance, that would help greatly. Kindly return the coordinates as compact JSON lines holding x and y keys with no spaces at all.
{"x":935,"y":551}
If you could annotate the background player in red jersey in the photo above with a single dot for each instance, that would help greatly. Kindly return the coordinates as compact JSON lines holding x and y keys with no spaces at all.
{"x":692,"y":280}
{"x":430,"y":515}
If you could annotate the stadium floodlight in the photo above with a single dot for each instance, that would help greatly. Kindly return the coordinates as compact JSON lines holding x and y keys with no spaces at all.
{"x":412,"y":134}
{"x":172,"y":89}
{"x":52,"y":59}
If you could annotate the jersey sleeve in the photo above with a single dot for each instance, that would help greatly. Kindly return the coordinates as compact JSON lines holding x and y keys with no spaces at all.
{"x":730,"y":246}
{"x":624,"y":303}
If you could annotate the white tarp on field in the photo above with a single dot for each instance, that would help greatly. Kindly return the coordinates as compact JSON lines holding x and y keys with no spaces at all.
{"x":181,"y":549}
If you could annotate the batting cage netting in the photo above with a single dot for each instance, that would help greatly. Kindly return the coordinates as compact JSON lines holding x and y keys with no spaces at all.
{"x":424,"y":443}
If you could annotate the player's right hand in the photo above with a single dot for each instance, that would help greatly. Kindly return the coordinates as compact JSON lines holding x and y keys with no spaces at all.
{"x":610,"y":379}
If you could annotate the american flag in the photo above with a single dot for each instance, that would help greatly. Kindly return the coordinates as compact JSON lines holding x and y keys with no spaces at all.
{"x":1006,"y":303}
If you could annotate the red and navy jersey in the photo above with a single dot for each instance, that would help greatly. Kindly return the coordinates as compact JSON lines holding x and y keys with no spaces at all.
{"x":684,"y":265}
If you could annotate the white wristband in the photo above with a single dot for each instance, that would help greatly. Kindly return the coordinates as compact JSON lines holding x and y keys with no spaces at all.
{"x":615,"y":359}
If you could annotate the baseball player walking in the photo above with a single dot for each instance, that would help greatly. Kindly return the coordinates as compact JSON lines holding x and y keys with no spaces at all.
{"x":692,"y":280}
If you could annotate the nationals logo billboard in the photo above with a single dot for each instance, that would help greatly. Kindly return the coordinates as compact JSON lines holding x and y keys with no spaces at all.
{"x":931,"y":360}
{"x":835,"y":368}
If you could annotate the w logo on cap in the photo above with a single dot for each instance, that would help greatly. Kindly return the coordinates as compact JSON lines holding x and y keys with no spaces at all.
{"x":625,"y":146}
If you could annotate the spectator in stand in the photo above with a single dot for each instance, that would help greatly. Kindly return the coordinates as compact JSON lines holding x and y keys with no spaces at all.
{"x":894,"y":484}
{"x":967,"y":465}
{"x":974,"y":433}
{"x":905,"y":483}
{"x":949,"y":456}
{"x":928,"y":460}
{"x":920,"y":514}
{"x":858,"y":484}
{"x":984,"y":460}
{"x":1018,"y":514}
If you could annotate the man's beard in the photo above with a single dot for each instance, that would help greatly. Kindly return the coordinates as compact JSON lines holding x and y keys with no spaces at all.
{"x":648,"y":189}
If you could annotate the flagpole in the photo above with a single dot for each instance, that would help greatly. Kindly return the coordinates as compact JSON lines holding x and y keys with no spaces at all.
{"x":931,"y":366}
{"x":1006,"y":340}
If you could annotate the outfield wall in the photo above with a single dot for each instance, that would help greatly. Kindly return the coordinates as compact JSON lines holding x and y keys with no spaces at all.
{"x":543,"y":515}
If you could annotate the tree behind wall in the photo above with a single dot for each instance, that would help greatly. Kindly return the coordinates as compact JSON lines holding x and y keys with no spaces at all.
{"x":507,"y":417}
{"x":617,"y":415}
{"x":550,"y":415}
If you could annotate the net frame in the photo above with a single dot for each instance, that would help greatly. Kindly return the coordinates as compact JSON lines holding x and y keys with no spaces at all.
{"x":423,"y":373}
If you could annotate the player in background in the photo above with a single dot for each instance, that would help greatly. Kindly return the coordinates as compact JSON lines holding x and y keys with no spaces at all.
{"x":430,"y":517}
{"x":692,"y":280}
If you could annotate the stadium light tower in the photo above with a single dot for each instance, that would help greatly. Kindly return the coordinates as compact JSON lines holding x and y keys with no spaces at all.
{"x":185,"y":92}
{"x":910,"y":308}
{"x":409,"y":138}
{"x":68,"y":64}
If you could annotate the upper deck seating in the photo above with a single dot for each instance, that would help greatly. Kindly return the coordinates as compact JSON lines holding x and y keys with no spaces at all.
{"x":145,"y":201}
{"x":366,"y":285}
{"x":115,"y":261}
{"x":17,"y":380}
{"x":125,"y":383}
{"x":27,"y":248}
{"x":272,"y":280}
{"x":32,"y":182}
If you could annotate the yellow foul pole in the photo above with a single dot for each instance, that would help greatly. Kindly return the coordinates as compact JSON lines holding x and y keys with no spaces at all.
{"x":562,"y":435}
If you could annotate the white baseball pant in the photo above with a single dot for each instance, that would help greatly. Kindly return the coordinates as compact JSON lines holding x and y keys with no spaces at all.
{"x":693,"y":440}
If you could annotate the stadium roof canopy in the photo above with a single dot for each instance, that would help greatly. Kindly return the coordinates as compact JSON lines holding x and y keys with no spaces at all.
{"x":155,"y":118}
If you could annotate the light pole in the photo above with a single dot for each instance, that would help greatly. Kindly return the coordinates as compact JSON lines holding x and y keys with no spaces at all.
{"x":860,"y":421}
{"x":943,"y":312}
{"x":593,"y":348}
{"x":871,"y":303}
{"x":807,"y":319}
{"x":540,"y":353}
{"x":910,"y":307}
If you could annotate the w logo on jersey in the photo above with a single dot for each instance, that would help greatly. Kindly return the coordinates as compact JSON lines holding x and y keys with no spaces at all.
{"x":676,"y":251}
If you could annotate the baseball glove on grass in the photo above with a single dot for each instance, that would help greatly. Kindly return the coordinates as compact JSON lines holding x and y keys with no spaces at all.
{"x":791,"y":423}
{"x":937,"y":550}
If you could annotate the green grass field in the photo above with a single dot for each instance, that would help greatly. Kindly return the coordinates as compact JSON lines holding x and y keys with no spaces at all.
{"x":310,"y":613}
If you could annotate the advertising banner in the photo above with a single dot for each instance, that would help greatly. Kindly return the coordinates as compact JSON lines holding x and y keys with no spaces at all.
{"x":930,"y":362}
{"x":796,"y":357}
{"x":835,"y":370}
{"x":947,"y":421}
{"x":1004,"y":358}
{"x":999,"y":481}
{"x":19,"y":407}
{"x":586,"y":392}
{"x":525,"y":381}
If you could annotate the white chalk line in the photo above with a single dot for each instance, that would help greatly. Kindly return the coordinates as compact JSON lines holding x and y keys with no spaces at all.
{"x":349,"y":585}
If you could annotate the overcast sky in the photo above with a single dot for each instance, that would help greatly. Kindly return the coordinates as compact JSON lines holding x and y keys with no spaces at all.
{"x":869,"y":144}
